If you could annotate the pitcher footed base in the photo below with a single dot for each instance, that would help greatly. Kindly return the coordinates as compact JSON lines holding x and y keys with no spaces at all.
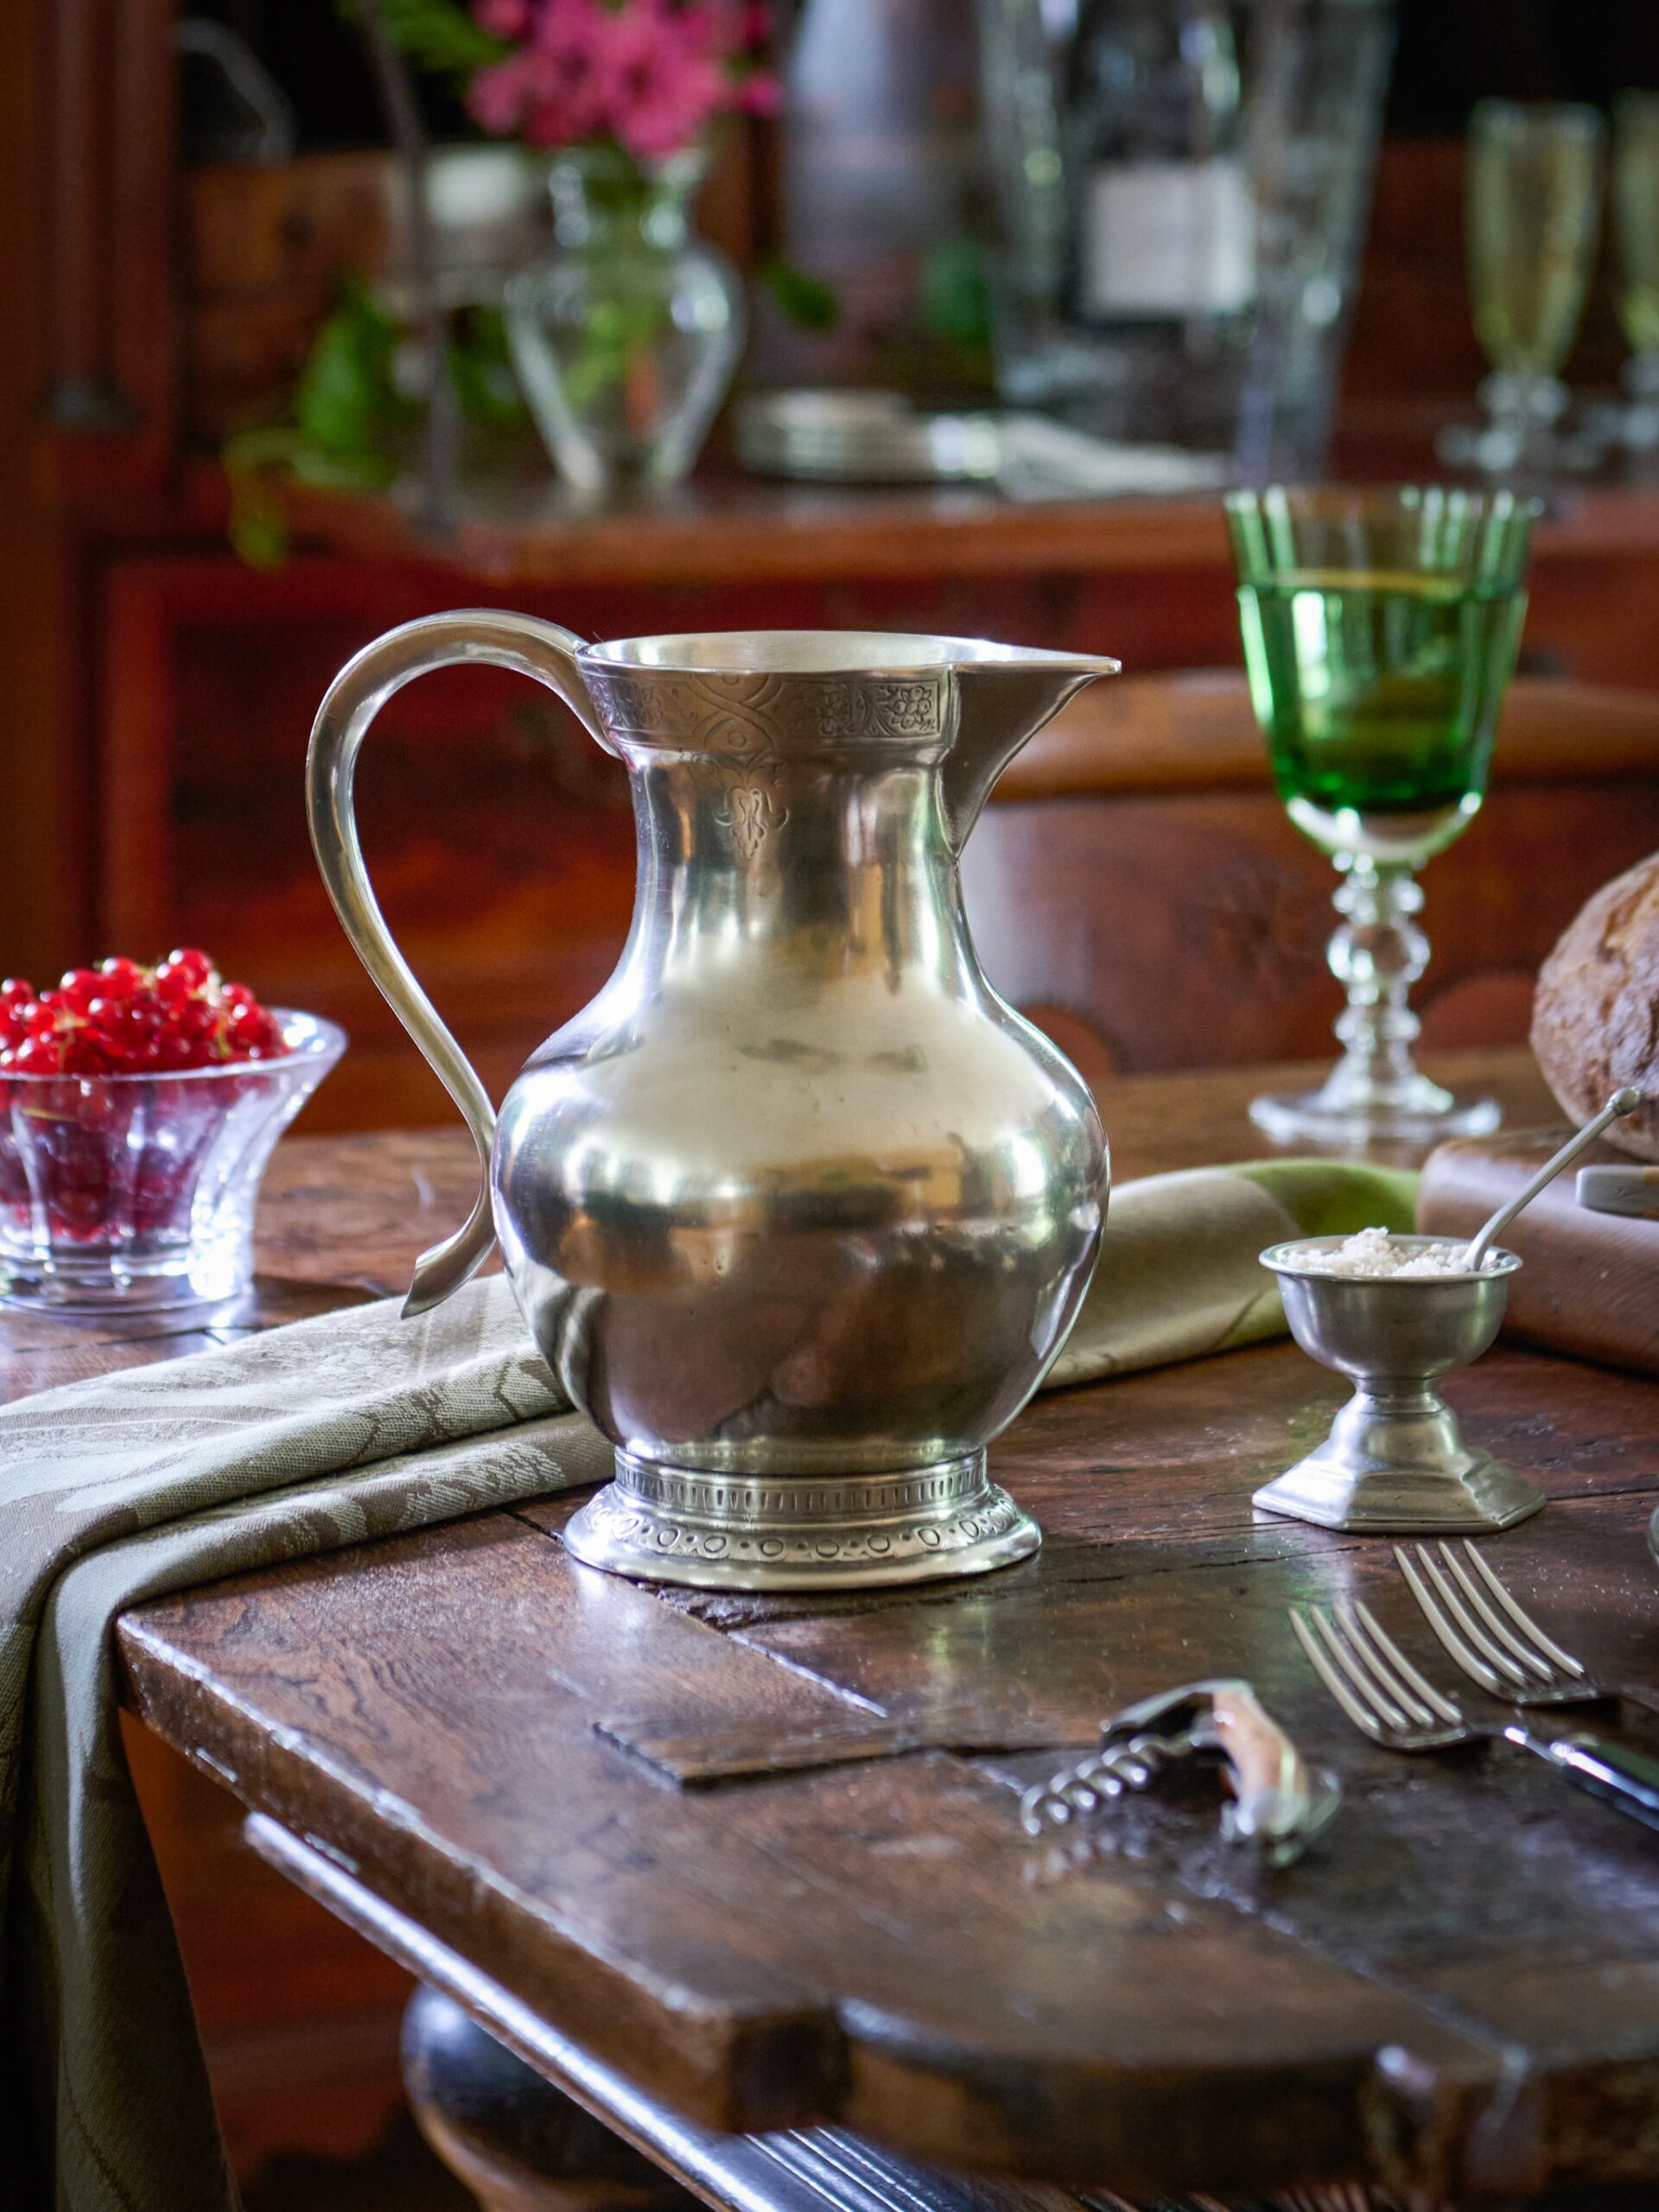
{"x":801,"y":1532}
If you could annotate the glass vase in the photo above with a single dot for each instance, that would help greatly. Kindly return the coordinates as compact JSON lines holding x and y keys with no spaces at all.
{"x":625,"y":334}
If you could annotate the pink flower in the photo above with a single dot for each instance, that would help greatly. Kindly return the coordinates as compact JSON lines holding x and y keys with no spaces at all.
{"x":757,"y":93}
{"x":503,"y":18}
{"x":648,"y":74}
{"x":662,"y":83}
{"x":500,"y":93}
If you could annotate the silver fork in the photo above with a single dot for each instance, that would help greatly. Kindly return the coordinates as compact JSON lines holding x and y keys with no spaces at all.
{"x":1384,"y":1695}
{"x":1491,"y":1636}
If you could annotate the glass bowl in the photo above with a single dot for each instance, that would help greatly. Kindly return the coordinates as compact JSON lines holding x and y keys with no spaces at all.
{"x":133,"y":1193}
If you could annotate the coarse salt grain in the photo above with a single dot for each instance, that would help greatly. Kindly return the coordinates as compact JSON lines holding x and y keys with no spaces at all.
{"x":1373,"y":1253}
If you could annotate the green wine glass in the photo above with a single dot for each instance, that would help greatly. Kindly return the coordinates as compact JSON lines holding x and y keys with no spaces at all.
{"x":1380,"y":630}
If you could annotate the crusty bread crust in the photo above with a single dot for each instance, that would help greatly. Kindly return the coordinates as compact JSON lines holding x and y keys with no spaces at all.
{"x":1595,"y":1018}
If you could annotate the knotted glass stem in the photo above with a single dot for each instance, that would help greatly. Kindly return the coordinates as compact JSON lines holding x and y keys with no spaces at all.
{"x":1376,"y":1091}
{"x":1376,"y":954}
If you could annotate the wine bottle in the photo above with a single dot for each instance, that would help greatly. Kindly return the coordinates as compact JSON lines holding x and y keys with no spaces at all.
{"x":1162,"y":231}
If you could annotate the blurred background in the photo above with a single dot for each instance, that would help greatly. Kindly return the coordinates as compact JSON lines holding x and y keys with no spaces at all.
{"x":220,"y":474}
{"x":913,"y":314}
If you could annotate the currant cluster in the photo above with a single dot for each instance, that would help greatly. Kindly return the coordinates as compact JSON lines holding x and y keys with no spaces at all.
{"x":122,"y":1019}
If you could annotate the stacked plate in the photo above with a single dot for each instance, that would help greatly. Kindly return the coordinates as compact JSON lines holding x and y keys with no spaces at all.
{"x":880,"y":438}
{"x":864,"y":437}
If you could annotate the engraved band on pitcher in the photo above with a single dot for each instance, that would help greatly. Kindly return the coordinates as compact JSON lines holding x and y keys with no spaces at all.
{"x":751,"y":1499}
{"x":748,"y":712}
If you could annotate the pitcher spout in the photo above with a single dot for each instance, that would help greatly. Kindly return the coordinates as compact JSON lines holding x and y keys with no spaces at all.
{"x":1005,"y":694}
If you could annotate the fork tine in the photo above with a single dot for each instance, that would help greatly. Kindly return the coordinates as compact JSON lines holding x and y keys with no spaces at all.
{"x":1440,"y":1621}
{"x":1378,"y":1667}
{"x":1494,"y":1645}
{"x":1471,"y":1628}
{"x":1504,"y":1636}
{"x":1360,"y":1715}
{"x":1368,"y":1677}
{"x":1521,"y":1618}
{"x":1396,"y":1659}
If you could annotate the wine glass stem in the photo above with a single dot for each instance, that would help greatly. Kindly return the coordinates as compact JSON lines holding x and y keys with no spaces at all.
{"x":1376,"y":955}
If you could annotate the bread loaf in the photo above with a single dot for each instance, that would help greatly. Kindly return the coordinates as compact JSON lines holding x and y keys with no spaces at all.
{"x":1595,"y":1019}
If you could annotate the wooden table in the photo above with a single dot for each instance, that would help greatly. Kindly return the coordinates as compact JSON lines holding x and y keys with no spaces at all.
{"x":720,"y":1864}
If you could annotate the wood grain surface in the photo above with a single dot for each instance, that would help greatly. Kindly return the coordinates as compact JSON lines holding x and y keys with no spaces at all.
{"x":875,"y":1942}
{"x":1460,"y":1989}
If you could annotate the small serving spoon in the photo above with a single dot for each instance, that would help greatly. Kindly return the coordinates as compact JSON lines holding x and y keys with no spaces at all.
{"x":1622,"y":1103}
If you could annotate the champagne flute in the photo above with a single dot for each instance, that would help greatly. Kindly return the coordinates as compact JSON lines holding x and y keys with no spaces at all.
{"x":1532,"y":202}
{"x":1636,"y":205}
{"x":1380,"y":630}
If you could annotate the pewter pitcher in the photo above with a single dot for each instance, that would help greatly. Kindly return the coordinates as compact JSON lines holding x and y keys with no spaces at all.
{"x":797,"y":1210}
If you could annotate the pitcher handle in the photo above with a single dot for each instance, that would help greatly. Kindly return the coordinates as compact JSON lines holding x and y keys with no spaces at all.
{"x":518,"y":642}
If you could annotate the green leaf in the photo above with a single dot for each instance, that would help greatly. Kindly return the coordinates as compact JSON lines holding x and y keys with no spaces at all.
{"x":346,"y":400}
{"x":259,"y":534}
{"x":807,"y":300}
{"x":436,"y":34}
{"x":480,"y":368}
{"x":344,"y":409}
{"x":258,"y":528}
{"x":955,"y":297}
{"x":350,"y":472}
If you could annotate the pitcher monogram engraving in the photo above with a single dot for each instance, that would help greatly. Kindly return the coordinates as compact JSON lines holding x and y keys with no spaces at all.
{"x":748,"y":813}
{"x":796,"y":1210}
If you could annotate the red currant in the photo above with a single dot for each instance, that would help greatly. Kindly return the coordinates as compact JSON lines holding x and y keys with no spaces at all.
{"x":38,"y":1055}
{"x":121,"y":1018}
{"x":184,"y":972}
{"x":83,"y":1053}
{"x":120,"y":978}
{"x":15,"y":1013}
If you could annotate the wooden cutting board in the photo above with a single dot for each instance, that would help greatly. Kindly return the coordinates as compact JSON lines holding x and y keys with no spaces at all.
{"x":1589,"y":1286}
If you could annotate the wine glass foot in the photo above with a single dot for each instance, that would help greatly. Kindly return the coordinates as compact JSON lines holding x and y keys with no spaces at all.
{"x":1423,"y":1114}
{"x":1523,"y":456}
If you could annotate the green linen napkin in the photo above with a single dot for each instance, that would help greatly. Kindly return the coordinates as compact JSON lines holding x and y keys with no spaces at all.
{"x":326,"y":1433}
{"x":1180,"y":1273}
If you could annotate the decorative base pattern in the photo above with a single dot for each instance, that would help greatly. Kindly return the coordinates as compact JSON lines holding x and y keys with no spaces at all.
{"x":801,"y":1532}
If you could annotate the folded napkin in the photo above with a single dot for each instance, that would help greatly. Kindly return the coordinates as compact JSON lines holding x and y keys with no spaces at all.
{"x":326,"y":1433}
